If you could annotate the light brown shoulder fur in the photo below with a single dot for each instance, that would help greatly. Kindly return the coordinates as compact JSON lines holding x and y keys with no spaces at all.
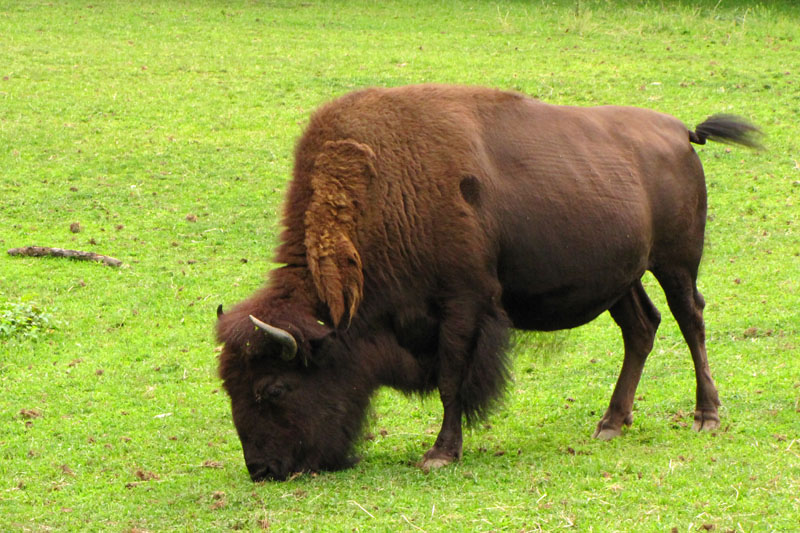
{"x":342,"y":172}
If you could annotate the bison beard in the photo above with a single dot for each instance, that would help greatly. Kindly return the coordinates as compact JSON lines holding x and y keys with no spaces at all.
{"x":423,"y":222}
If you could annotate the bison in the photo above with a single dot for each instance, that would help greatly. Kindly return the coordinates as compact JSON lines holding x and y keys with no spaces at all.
{"x":423,"y":222}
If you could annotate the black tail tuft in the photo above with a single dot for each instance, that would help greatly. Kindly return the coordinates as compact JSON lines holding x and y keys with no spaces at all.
{"x":727,"y":129}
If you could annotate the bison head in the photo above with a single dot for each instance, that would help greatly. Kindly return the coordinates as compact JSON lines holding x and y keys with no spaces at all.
{"x":298,"y":399}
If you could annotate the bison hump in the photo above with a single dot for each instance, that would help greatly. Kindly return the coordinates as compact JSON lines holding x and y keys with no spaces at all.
{"x":339,"y":181}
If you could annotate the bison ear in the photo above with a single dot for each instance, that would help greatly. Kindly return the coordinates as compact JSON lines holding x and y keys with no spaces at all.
{"x":340,"y":180}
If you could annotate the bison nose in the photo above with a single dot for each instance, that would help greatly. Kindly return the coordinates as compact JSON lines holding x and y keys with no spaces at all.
{"x":262,"y":472}
{"x":258,"y":471}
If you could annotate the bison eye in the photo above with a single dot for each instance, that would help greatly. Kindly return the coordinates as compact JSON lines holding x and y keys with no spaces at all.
{"x":275,"y":391}
{"x":270,"y":392}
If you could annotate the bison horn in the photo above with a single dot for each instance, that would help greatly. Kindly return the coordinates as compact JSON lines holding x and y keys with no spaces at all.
{"x":219,"y":311}
{"x":281,"y":336}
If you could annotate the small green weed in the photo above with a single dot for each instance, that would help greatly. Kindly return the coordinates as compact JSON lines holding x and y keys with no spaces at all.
{"x":24,"y":320}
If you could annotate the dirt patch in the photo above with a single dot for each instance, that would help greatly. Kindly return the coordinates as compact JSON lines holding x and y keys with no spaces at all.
{"x":145,"y":475}
{"x":219,"y":501}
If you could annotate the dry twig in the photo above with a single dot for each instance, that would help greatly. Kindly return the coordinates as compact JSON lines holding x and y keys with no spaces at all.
{"x":46,"y":251}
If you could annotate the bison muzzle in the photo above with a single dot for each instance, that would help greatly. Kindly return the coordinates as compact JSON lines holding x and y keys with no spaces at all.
{"x":423,"y":222}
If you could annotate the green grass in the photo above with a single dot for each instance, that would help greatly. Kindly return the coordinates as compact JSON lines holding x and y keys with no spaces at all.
{"x":129,"y":117}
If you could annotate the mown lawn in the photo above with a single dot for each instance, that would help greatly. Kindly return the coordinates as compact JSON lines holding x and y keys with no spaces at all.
{"x":165,"y":131}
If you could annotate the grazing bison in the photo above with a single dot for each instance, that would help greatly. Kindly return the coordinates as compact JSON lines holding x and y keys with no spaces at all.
{"x":423,"y":222}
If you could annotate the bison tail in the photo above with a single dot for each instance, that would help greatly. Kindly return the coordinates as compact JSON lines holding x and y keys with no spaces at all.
{"x":727,"y":129}
{"x":341,"y":175}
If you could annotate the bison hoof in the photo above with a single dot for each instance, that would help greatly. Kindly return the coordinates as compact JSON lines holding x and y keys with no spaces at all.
{"x":437,"y":458}
{"x":431,"y":463}
{"x":705,"y":420}
{"x":607,"y":433}
{"x":607,"y":430}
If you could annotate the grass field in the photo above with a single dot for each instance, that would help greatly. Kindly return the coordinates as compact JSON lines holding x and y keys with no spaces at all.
{"x":165,"y":131}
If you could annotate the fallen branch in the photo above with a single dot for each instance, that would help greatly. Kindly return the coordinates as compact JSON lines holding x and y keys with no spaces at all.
{"x":46,"y":251}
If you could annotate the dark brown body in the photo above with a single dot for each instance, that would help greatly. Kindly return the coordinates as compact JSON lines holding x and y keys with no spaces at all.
{"x":422,"y":222}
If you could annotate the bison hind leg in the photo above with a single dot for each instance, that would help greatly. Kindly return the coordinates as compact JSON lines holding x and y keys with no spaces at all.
{"x":638,"y":319}
{"x":686,"y":304}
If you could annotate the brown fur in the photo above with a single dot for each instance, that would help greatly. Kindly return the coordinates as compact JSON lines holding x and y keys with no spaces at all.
{"x":339,"y":182}
{"x":422,"y":222}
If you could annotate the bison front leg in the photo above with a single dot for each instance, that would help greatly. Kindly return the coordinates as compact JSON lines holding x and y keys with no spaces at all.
{"x":452,"y":360}
{"x":472,"y":370}
{"x":447,"y":447}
